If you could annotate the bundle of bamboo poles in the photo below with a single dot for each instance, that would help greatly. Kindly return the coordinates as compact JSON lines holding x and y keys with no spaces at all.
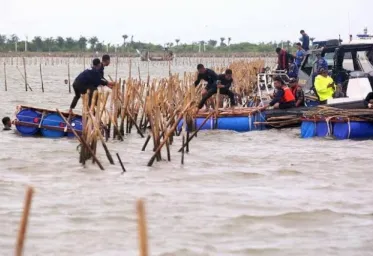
{"x":330,"y":112}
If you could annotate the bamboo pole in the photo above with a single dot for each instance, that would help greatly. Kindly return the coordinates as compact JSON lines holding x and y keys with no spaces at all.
{"x":157,"y":151}
{"x":24,"y":68}
{"x":68,"y":74}
{"x":142,"y":232}
{"x":41,"y":78}
{"x":24,"y":221}
{"x":81,"y":140}
{"x":98,"y":132}
{"x":5,"y":82}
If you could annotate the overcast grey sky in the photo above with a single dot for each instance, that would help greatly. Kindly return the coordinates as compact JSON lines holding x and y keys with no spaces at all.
{"x":162,"y":21}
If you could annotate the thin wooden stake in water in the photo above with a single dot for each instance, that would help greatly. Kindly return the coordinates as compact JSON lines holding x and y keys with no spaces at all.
{"x":6,"y":86}
{"x":24,"y":220}
{"x":121,"y":164}
{"x":41,"y":78}
{"x":68,"y":75}
{"x":24,"y":68}
{"x":143,"y":237}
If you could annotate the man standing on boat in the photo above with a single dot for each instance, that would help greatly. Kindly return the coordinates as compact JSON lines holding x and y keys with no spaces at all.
{"x":89,"y":79}
{"x":283,"y":98}
{"x":320,"y":63}
{"x":300,"y":54}
{"x":207,"y":75}
{"x":305,"y":40}
{"x":224,"y":83}
{"x":283,"y":59}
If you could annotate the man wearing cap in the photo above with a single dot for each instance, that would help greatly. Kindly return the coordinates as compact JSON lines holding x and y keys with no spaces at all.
{"x":297,"y":92}
{"x":324,"y":86}
{"x":224,"y":82}
{"x":320,"y":63}
{"x":89,"y":79}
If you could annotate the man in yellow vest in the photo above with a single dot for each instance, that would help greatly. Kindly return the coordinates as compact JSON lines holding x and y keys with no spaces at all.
{"x":324,"y":86}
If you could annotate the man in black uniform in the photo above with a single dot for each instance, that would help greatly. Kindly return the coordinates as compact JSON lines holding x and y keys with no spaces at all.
{"x":89,"y":79}
{"x":105,"y":62}
{"x":208,"y":75}
{"x":223,"y":82}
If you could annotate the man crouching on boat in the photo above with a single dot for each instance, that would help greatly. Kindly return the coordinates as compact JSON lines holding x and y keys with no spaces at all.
{"x":208,"y":75}
{"x":283,"y":98}
{"x":89,"y":79}
{"x":223,"y":83}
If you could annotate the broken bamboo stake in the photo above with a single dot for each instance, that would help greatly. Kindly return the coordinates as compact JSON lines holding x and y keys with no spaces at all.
{"x":81,"y":140}
{"x":157,"y":151}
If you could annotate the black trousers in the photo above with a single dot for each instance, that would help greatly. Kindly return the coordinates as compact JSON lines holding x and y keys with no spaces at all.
{"x":286,"y":105}
{"x":213,"y":91}
{"x":81,"y":89}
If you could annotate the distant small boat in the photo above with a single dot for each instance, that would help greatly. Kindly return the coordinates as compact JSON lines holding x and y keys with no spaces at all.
{"x":167,"y":56}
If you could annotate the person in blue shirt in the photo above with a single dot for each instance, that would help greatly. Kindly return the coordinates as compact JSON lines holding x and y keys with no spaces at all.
{"x":320,"y":63}
{"x":293,"y":70}
{"x":300,"y":54}
{"x":89,"y":79}
{"x":305,"y":40}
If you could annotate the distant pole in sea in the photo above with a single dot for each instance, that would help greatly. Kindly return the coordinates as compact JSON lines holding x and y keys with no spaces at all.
{"x":24,"y":68}
{"x":41,"y":78}
{"x":5,"y":84}
{"x":68,"y":74}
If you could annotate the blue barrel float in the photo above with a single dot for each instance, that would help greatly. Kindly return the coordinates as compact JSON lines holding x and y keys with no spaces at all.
{"x":29,"y":121}
{"x":311,"y":128}
{"x":53,"y":120}
{"x":353,"y":130}
{"x":231,"y":123}
{"x":76,"y":124}
{"x":32,"y":118}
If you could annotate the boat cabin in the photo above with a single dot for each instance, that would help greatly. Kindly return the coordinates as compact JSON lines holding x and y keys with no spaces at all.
{"x":325,"y":43}
{"x":353,"y":69}
{"x":309,"y":64}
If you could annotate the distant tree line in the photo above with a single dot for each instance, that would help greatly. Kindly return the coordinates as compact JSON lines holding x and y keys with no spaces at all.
{"x":12,"y":43}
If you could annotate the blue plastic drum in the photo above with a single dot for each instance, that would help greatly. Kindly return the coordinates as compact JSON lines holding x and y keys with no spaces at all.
{"x":77,"y":124}
{"x":53,"y":120}
{"x":28,"y":116}
{"x":322,"y":129}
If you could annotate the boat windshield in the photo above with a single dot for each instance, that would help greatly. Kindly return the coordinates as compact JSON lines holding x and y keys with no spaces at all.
{"x":328,"y":57}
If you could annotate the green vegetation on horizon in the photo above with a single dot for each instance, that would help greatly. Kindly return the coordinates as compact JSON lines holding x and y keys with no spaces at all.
{"x":12,"y":43}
